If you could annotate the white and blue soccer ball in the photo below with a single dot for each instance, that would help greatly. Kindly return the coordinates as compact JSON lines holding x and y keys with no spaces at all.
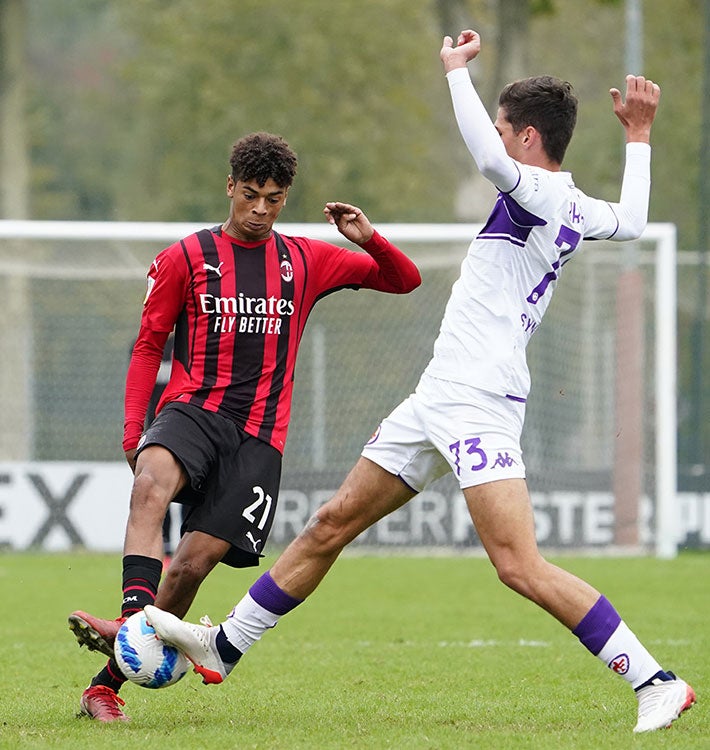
{"x":144,"y":659}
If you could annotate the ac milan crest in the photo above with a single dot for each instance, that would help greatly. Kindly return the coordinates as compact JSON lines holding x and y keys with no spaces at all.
{"x":286,"y":270}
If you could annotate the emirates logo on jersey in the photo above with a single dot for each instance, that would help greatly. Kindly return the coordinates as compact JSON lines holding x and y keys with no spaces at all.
{"x":243,"y":314}
{"x":286,"y":270}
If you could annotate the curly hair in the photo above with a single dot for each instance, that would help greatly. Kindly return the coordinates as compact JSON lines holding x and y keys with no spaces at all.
{"x":548,"y":104}
{"x":260,"y":156}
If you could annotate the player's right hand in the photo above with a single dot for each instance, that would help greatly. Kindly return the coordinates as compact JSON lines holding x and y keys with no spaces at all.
{"x":468,"y":45}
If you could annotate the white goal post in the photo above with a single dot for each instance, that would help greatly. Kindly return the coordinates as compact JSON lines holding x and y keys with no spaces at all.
{"x":48,"y":252}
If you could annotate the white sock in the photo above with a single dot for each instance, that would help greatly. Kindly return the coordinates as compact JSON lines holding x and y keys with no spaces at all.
{"x":624,"y":654}
{"x":247,"y":622}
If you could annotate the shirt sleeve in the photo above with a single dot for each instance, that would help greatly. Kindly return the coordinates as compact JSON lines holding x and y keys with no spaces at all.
{"x":392,"y":271}
{"x":382,"y":267}
{"x":164,"y":299}
{"x":142,"y":374}
{"x":479,"y":134}
{"x":168,"y":280}
{"x":626,"y":219}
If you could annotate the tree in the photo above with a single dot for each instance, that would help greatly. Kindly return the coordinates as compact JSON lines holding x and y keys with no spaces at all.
{"x":361,"y":105}
{"x":134,"y":120}
{"x":14,"y":166}
{"x":14,"y":204}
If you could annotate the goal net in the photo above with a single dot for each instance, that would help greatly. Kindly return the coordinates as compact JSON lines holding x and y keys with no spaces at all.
{"x":599,"y":439}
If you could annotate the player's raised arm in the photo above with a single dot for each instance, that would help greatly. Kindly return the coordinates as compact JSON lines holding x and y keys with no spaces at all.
{"x":637,"y":111}
{"x":478,"y":132}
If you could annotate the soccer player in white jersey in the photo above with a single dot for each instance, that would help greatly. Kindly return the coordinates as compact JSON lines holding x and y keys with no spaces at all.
{"x":467,"y":412}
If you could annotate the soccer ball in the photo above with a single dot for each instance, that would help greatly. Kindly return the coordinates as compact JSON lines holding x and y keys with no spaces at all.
{"x":144,"y":659}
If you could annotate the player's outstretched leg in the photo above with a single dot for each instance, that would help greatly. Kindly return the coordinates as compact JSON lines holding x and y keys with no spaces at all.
{"x":197,"y":642}
{"x":95,"y":633}
{"x":661,"y":702}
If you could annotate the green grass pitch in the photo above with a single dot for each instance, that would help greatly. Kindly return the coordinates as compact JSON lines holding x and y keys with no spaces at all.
{"x":391,"y":652}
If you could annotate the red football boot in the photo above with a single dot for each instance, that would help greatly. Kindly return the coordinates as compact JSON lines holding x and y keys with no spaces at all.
{"x":94,"y":632}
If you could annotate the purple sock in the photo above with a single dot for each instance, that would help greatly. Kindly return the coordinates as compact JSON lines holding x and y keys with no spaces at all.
{"x":268,"y":595}
{"x":598,"y":625}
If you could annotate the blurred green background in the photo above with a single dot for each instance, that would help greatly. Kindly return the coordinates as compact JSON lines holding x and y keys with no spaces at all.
{"x":131,"y":107}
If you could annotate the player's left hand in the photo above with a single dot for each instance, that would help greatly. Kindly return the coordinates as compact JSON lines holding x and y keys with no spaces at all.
{"x":350,"y":220}
{"x":637,"y":112}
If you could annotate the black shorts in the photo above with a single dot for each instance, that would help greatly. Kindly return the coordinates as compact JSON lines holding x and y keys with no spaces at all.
{"x":234,"y":478}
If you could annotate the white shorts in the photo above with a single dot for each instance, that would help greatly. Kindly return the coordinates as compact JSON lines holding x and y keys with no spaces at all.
{"x":445,"y":426}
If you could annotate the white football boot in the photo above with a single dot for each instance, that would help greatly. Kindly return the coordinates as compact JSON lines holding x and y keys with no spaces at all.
{"x":662,"y":702}
{"x":197,"y":642}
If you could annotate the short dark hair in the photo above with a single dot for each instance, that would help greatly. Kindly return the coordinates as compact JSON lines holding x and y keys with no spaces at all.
{"x":548,"y":104}
{"x":260,"y":156}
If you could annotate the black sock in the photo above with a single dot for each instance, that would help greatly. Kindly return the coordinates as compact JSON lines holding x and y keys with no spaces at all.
{"x":661,"y":676}
{"x":141,"y":576}
{"x":229,"y":653}
{"x":110,"y":676}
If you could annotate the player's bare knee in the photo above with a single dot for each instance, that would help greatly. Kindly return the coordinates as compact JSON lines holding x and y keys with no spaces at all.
{"x":147,"y":496}
{"x":326,"y":530}
{"x":186,"y":573}
{"x":142,"y":488}
{"x":525,"y":575}
{"x":513,"y":575}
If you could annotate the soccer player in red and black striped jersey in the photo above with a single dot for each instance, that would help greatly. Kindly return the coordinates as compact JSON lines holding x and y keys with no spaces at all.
{"x":238,"y":297}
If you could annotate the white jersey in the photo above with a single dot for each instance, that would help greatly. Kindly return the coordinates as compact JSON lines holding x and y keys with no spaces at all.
{"x":512,"y":267}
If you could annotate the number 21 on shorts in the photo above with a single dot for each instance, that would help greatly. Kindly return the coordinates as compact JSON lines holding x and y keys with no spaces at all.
{"x":262,"y":499}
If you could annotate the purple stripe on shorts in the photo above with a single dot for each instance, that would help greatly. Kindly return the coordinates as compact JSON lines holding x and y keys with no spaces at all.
{"x":516,"y":398}
{"x":268,"y":595}
{"x":598,"y":625}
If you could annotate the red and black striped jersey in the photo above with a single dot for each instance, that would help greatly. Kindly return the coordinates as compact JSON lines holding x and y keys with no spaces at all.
{"x":239,"y":311}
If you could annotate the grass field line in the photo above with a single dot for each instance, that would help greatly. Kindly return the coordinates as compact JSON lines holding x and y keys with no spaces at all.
{"x":487,"y":643}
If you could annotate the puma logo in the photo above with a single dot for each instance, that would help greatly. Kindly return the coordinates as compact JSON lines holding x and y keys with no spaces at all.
{"x":217,"y":270}
{"x":254,"y":542}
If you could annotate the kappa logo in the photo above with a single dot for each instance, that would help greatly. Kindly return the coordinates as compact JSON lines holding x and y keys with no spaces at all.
{"x":217,"y":270}
{"x":286,"y":270}
{"x":620,"y":664}
{"x":503,"y":461}
{"x":254,"y":542}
